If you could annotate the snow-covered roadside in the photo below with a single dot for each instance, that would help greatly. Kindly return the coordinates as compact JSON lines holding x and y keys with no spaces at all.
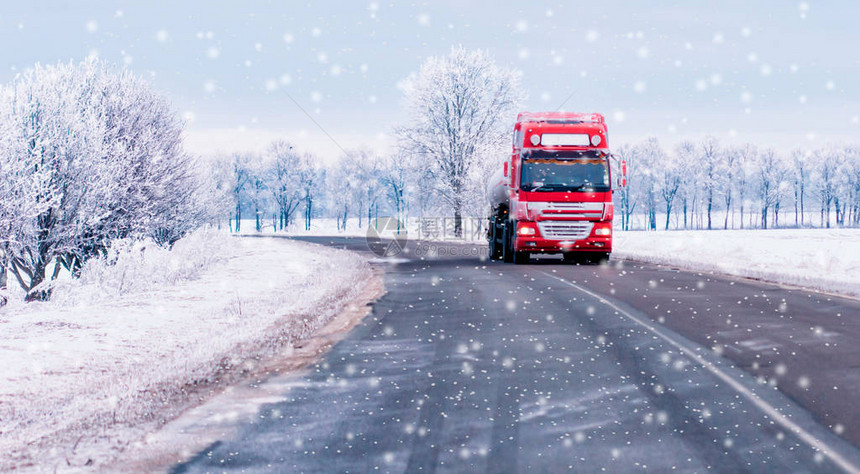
{"x":821,"y":259}
{"x":105,"y":369}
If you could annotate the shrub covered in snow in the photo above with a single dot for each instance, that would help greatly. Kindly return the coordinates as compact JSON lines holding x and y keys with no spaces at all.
{"x":137,"y":266}
{"x":88,"y":155}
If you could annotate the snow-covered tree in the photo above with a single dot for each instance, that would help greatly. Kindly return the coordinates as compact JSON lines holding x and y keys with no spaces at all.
{"x":647,"y":157}
{"x":825,"y":168}
{"x":728,"y":182}
{"x":852,"y":170}
{"x":744,"y":173}
{"x":668,"y":179}
{"x":800,"y":159}
{"x":240,"y":175}
{"x":772,"y":175}
{"x":257,"y":191}
{"x":283,"y":180}
{"x":688,"y":190}
{"x":710,"y":160}
{"x":311,"y":180}
{"x":457,"y":104}
{"x":397,"y":172}
{"x":843,"y":192}
{"x":94,"y":155}
{"x":347,"y":192}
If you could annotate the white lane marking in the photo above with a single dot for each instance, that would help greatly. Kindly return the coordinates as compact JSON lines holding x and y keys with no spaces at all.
{"x":771,"y":411}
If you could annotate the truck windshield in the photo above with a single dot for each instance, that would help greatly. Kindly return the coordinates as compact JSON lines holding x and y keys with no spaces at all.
{"x":564,"y":171}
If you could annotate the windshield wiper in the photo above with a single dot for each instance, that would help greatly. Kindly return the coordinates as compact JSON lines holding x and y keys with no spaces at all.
{"x":543,"y":187}
{"x":565,"y":188}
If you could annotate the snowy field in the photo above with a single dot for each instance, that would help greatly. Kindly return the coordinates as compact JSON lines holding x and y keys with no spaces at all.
{"x":821,"y":259}
{"x":115,"y":353}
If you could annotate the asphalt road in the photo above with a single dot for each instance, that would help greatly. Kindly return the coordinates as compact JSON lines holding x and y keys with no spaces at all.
{"x":470,"y":365}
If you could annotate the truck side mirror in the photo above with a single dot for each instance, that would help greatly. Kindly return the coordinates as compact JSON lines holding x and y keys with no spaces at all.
{"x":621,"y":179}
{"x":506,"y":169}
{"x":623,"y":173}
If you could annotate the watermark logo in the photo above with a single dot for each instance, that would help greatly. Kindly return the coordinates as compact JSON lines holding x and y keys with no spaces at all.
{"x":387,"y":237}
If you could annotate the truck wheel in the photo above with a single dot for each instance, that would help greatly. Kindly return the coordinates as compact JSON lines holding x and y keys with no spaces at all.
{"x":495,"y":245}
{"x":507,"y":244}
{"x":521,"y":258}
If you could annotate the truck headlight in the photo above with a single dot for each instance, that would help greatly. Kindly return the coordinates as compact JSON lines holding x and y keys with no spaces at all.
{"x":603,"y":231}
{"x":526,"y":231}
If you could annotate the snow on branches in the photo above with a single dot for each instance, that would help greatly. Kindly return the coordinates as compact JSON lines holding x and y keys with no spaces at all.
{"x":89,"y":154}
{"x":458,"y":106}
{"x":745,"y":185}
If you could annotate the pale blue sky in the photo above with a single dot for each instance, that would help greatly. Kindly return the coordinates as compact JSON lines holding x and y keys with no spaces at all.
{"x":781,"y":73}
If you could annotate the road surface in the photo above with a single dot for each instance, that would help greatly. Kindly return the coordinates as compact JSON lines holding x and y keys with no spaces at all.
{"x":478,"y":366}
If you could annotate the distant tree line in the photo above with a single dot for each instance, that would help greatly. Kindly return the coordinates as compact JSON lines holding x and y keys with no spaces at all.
{"x":701,"y":184}
{"x":705,"y":184}
{"x":282,"y":188}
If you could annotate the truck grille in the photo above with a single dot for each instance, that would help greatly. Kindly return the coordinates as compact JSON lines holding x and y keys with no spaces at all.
{"x":589,"y":210}
{"x":563,"y":230}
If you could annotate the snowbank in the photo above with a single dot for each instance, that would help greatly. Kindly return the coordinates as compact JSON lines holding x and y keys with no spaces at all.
{"x":821,"y":259}
{"x":118,"y":351}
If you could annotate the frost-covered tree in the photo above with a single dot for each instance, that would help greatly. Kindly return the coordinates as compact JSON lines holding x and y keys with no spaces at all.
{"x":669,"y":181}
{"x":728,"y":182}
{"x":311,"y":180}
{"x":347,"y":191}
{"x":283,"y":180}
{"x":366,"y":167}
{"x":799,"y":159}
{"x":457,"y":103}
{"x":852,"y":170}
{"x":217,"y":172}
{"x":772,"y":177}
{"x":710,"y":160}
{"x":685,"y":155}
{"x":649,"y":158}
{"x":825,"y":169}
{"x":257,"y":191}
{"x":18,"y":202}
{"x":397,"y":172}
{"x":240,"y":175}
{"x":843,"y":185}
{"x":745,"y":170}
{"x":95,"y":155}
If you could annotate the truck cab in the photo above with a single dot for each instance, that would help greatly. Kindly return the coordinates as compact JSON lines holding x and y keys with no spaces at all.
{"x":554,"y":195}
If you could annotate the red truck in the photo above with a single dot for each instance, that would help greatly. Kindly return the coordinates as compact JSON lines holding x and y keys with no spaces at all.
{"x":554,"y":195}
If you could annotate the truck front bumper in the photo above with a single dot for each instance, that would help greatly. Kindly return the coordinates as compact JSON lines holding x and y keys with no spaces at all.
{"x":536,"y":244}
